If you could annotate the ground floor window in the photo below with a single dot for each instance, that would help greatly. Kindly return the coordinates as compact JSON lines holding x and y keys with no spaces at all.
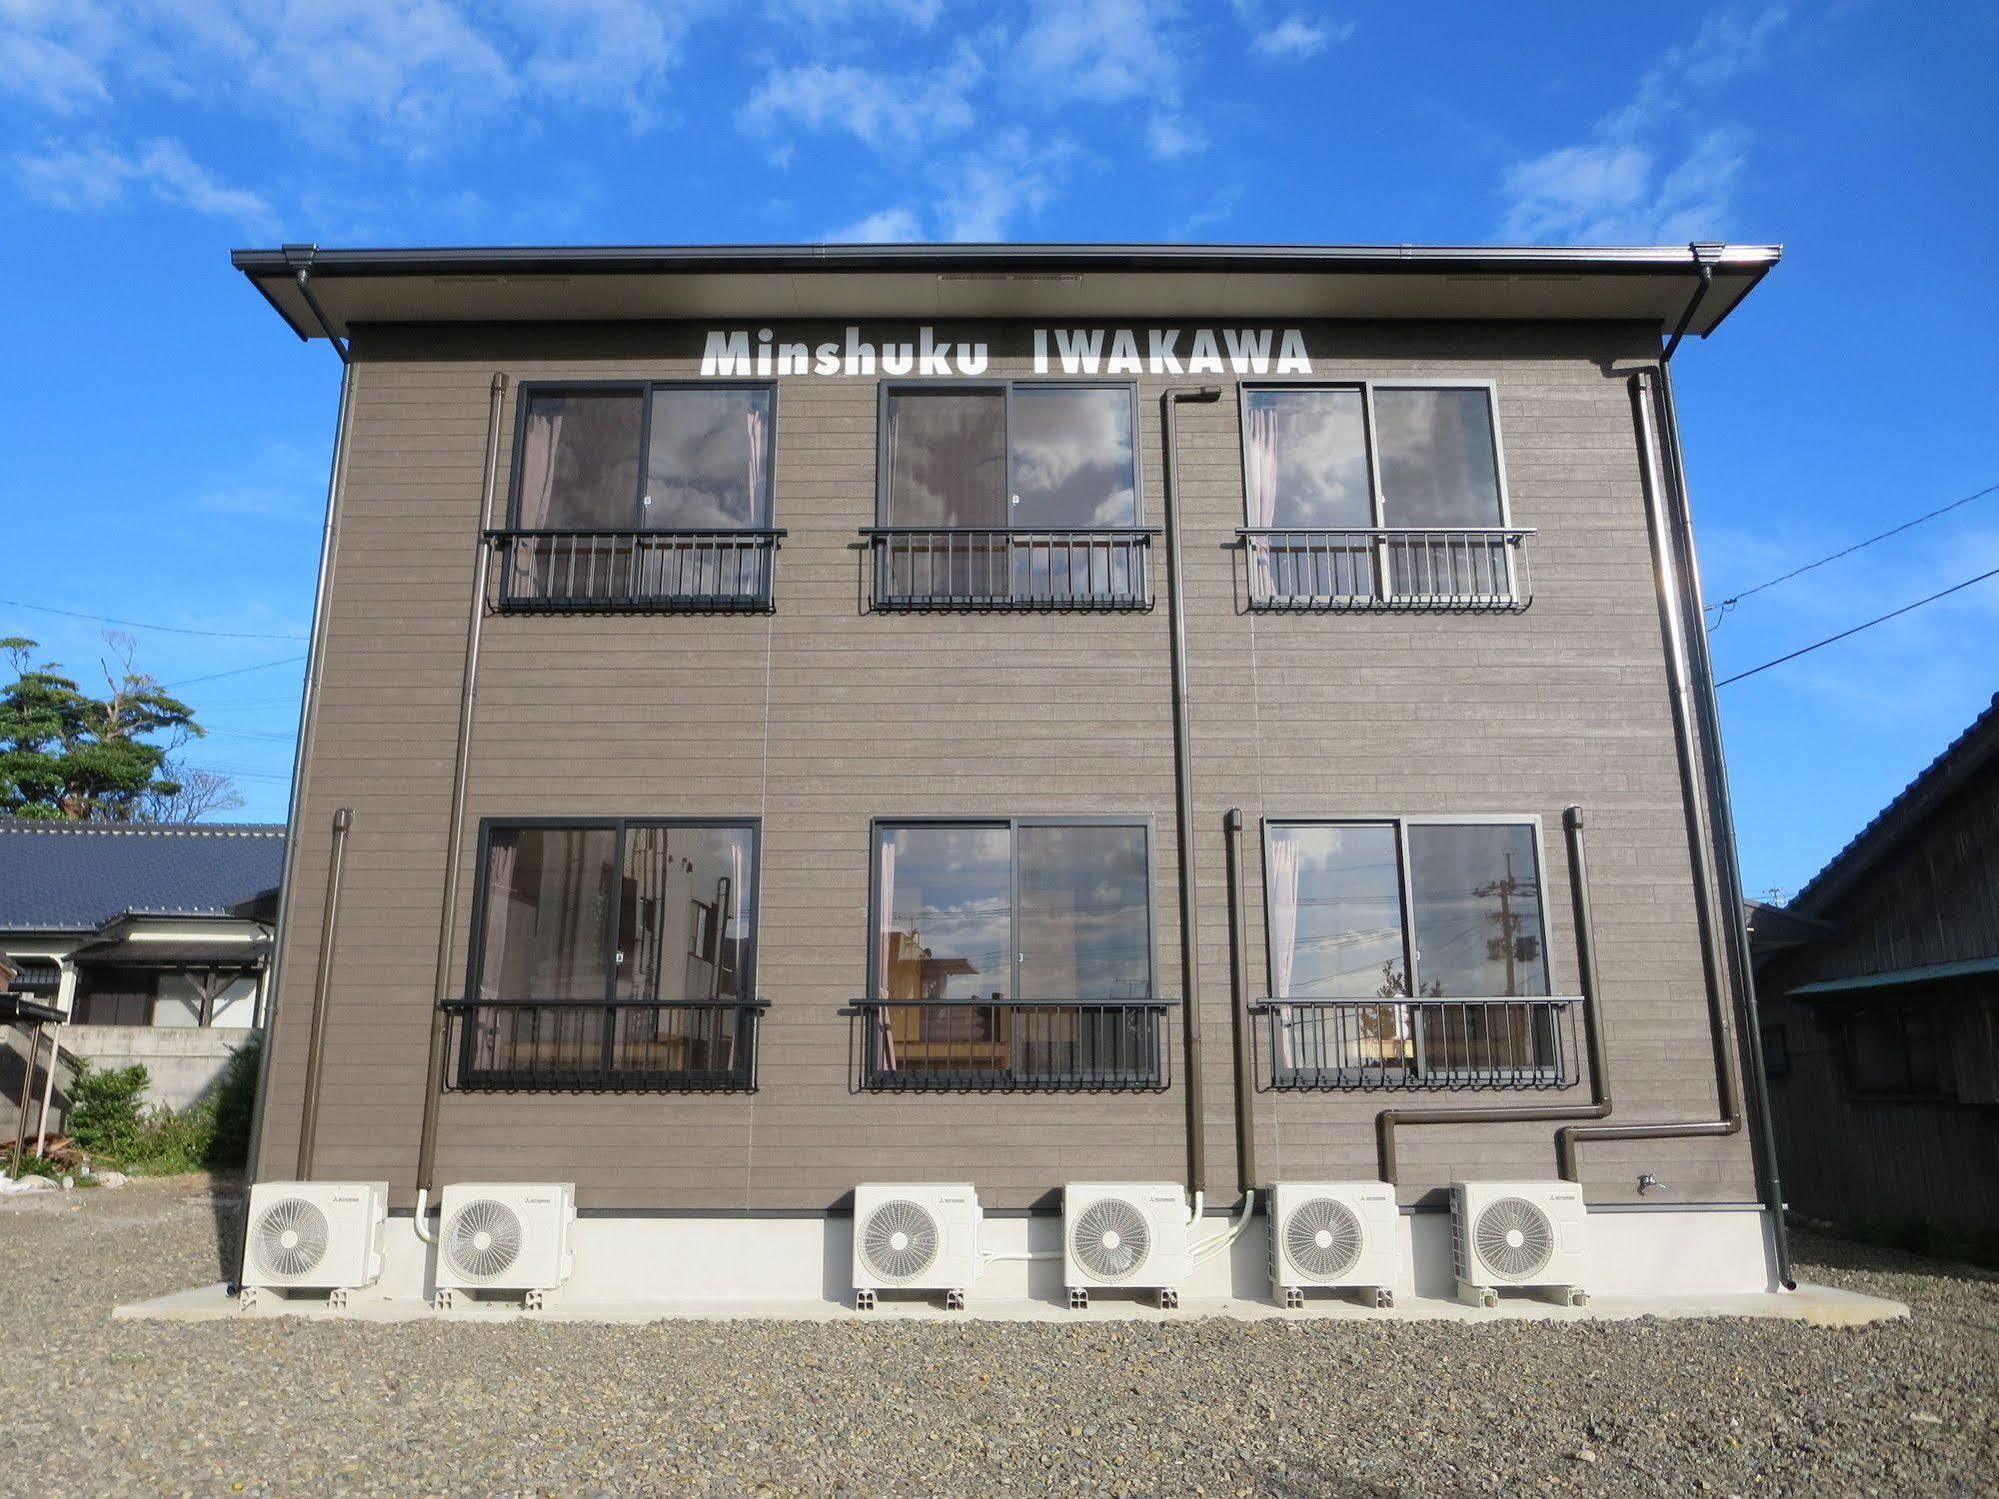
{"x":1896,"y":1051}
{"x":1012,"y":954}
{"x":612,"y":953}
{"x":186,"y":998}
{"x":1410,"y":951}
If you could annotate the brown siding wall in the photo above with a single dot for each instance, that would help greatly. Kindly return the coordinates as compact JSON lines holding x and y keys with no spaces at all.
{"x":820,"y":717}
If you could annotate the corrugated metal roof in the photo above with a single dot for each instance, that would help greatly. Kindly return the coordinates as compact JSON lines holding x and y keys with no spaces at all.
{"x":1928,"y":973}
{"x":1963,"y":755}
{"x":74,"y":877}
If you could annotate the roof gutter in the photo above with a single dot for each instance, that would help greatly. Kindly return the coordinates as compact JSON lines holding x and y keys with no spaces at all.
{"x":300,"y":258}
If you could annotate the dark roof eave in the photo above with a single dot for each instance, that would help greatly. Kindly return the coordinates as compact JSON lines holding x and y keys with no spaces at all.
{"x":1754,"y":261}
{"x":1960,"y":759}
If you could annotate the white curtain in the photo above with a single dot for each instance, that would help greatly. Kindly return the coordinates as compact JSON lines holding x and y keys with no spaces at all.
{"x":1281,"y":893}
{"x":884,"y":924}
{"x":1262,"y":438}
{"x":537,"y":490}
{"x":500,"y":859}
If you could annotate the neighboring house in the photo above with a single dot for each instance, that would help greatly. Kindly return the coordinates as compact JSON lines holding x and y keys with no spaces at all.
{"x":811,"y":617}
{"x":1880,"y":1003}
{"x":151,"y":941}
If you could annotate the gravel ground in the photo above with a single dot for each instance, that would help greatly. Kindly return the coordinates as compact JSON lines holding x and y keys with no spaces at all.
{"x":1214,"y":1407}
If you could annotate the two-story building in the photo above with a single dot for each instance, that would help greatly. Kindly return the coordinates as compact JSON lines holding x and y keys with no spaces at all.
{"x":780,"y":718}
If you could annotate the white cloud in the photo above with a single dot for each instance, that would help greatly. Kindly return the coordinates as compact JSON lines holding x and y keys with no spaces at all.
{"x":1018,"y":175}
{"x":1295,"y":37}
{"x":877,"y":108}
{"x":95,"y":177}
{"x":1101,"y":51}
{"x":281,"y":480}
{"x":921,"y":14}
{"x":891,"y":226}
{"x":1629,"y":183}
{"x":1172,"y":136}
{"x":412,"y":74}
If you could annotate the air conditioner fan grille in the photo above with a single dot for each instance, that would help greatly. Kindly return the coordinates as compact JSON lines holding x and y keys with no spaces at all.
{"x":1323,"y":1238}
{"x":1515,"y":1238}
{"x":1112,"y":1239}
{"x":483,"y":1239}
{"x":291,"y":1237}
{"x":899,"y":1240}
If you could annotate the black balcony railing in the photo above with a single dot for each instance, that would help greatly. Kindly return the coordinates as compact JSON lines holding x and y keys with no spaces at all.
{"x":1437,"y":1045}
{"x":631,"y":1046}
{"x":634,"y":572}
{"x":978,"y":570}
{"x":1466,"y":570}
{"x":1032,"y":1046}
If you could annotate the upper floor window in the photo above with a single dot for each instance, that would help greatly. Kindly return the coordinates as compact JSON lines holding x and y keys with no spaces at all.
{"x":1411,"y":952}
{"x":1376,"y":495}
{"x":1012,"y":955}
{"x":1009,"y":494}
{"x":612,"y":954}
{"x":641,"y":496}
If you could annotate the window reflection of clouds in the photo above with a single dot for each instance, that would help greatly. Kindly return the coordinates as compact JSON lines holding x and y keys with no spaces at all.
{"x":1084,"y":913}
{"x":952,"y":903}
{"x":1318,"y":449}
{"x":706,"y":465}
{"x":1438,"y":461}
{"x":1073,"y":460}
{"x":947,"y":458}
{"x":1477,"y":895}
{"x":1346,"y":936}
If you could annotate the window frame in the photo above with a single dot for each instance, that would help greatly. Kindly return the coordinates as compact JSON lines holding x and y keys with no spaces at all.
{"x":1555,"y":1067}
{"x":887,"y":389}
{"x":474,"y":1078}
{"x":1367,"y":386}
{"x":1944,"y":1089}
{"x":1013,"y":825}
{"x":644,"y":390}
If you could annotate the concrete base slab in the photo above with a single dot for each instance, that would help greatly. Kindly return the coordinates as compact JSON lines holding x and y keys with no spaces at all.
{"x":1816,"y":1306}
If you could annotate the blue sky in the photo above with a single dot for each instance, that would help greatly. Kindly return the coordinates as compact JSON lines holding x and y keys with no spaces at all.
{"x":165,"y":438}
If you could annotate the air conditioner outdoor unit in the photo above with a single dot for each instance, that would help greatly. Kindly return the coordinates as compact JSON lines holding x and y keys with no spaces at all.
{"x":314,"y":1236}
{"x":1125,"y":1236}
{"x":1334,"y":1234}
{"x":915,"y":1236}
{"x":1519,"y":1234}
{"x":504,"y":1236}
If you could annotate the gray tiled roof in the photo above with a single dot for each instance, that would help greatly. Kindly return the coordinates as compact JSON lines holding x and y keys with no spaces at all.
{"x":62,"y":876}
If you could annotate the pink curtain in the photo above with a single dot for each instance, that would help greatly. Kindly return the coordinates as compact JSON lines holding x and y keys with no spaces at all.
{"x":884,"y":925}
{"x":1281,"y":893}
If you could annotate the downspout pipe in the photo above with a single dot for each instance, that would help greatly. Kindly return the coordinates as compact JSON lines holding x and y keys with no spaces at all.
{"x":1706,"y":816}
{"x":329,"y":931}
{"x":1183,"y":793}
{"x":1245,"y":1080}
{"x":1388,"y":1120}
{"x":1721,"y":819}
{"x":433,"y":1085}
{"x":308,"y":710}
{"x":300,"y":258}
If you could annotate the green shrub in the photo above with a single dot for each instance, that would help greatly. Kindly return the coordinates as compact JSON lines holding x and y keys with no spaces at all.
{"x":104,"y":1111}
{"x":235,"y":1098}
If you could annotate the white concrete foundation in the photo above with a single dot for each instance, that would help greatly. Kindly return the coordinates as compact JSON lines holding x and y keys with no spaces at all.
{"x":1674,"y":1262}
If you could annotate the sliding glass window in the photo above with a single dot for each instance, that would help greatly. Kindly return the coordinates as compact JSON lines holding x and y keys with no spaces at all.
{"x":1410,"y":946}
{"x":1006,"y":494}
{"x":1012,"y":954}
{"x":1377,"y":493}
{"x":612,"y":954}
{"x":641,"y":495}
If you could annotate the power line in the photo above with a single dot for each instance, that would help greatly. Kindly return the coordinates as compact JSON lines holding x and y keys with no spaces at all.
{"x":1721,"y":610}
{"x":1881,"y":619}
{"x":133,"y":624}
{"x":234,"y":672}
